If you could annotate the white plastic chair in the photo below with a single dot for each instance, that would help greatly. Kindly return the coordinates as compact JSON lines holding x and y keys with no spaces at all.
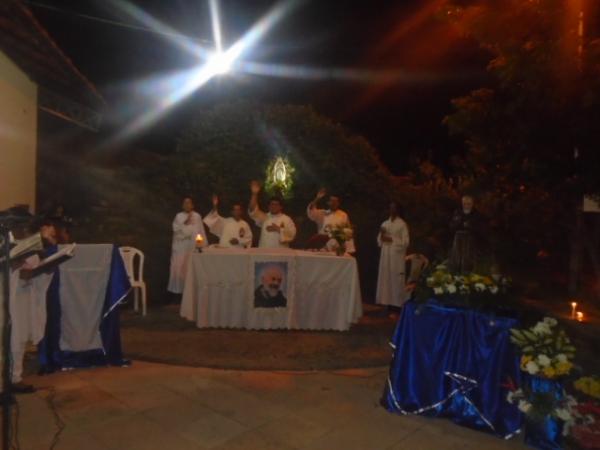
{"x":418,"y":263}
{"x":136,"y":277}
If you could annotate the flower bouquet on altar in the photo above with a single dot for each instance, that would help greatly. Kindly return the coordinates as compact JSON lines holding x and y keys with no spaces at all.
{"x":546,"y":351}
{"x":554,"y":416}
{"x":339,"y":235}
{"x":471,"y":289}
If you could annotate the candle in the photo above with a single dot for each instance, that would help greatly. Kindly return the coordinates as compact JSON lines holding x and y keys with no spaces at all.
{"x":579,"y":316}
{"x":199,"y":241}
{"x":573,"y":309}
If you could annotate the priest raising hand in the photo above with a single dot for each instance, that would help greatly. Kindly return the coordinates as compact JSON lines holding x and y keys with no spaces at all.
{"x":329,"y":218}
{"x":232,"y":231}
{"x":277,"y":229}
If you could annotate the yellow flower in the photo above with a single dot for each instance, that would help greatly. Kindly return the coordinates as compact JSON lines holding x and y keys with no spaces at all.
{"x":524,"y":360}
{"x":487,"y":281}
{"x":549,"y":372}
{"x":563,"y":368}
{"x":474,"y":278}
{"x":589,"y":386}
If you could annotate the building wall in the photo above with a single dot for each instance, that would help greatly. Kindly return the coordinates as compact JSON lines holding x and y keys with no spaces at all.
{"x":18,"y":136}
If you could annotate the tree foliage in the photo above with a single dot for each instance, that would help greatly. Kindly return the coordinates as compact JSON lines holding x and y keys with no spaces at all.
{"x":531,"y":134}
{"x":541,"y":110}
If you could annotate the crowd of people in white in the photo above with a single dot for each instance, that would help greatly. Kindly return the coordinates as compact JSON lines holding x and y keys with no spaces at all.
{"x":278,"y":230}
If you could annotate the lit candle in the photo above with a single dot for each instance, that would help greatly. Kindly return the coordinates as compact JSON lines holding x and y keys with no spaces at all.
{"x":579,"y":316}
{"x":199,"y":242}
{"x":573,"y":309}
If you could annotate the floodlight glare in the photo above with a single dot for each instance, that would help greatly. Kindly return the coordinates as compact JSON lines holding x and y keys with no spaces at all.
{"x":219,"y":63}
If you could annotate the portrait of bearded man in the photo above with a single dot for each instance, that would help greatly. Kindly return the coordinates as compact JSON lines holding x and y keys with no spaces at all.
{"x":269,"y":293}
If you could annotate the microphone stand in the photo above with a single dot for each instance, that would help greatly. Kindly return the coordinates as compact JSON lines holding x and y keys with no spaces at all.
{"x":7,"y":398}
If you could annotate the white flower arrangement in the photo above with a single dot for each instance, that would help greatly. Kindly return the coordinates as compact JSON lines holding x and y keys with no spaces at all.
{"x":537,"y":406}
{"x":532,"y":368}
{"x":546,"y":350}
{"x":524,"y":406}
{"x":341,"y":233}
{"x":543,"y":360}
{"x":442,"y":282}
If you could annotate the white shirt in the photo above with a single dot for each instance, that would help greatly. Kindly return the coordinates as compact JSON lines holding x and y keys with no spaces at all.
{"x":229,"y":228}
{"x":274,"y":239}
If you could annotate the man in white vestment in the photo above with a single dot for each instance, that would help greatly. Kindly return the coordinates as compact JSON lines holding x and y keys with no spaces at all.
{"x":393,"y":238}
{"x":329,"y":218}
{"x":233,"y":232}
{"x":277,"y":229}
{"x":186,"y":226}
{"x":28,"y":315}
{"x":27,"y":305}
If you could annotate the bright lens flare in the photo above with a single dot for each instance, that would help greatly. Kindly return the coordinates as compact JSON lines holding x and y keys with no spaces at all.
{"x":220,"y":63}
{"x":217,"y":63}
{"x":216,"y":25}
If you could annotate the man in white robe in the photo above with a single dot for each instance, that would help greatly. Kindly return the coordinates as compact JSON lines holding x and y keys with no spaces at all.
{"x":277,"y":229}
{"x":186,"y":226}
{"x":329,"y":218}
{"x":233,"y":232}
{"x":27,"y":306}
{"x":393,"y":238}
{"x":28,"y":315}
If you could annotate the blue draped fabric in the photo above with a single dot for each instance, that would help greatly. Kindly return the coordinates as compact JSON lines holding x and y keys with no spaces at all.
{"x":454,"y":363}
{"x":52,"y":358}
{"x":546,"y":435}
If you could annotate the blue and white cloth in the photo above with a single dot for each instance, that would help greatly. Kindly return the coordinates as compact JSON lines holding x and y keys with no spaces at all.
{"x":82,"y":327}
{"x":456,"y":363}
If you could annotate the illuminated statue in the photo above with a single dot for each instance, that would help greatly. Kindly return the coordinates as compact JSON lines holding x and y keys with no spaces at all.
{"x":279,"y":172}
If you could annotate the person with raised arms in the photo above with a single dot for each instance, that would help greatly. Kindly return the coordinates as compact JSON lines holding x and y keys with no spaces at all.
{"x":277,"y":228}
{"x":232,"y":231}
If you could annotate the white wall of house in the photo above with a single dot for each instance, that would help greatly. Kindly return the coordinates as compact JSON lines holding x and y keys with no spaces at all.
{"x":18,"y":136}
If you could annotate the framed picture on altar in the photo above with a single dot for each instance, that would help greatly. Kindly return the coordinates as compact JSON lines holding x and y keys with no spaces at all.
{"x":271,"y":284}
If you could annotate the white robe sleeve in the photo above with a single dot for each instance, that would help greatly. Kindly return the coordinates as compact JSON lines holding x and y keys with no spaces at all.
{"x":379,"y":241}
{"x":258,"y":216}
{"x":215,"y":223}
{"x":316,"y":215}
{"x":288,"y":233}
{"x":180,"y":229}
{"x":246,"y":241}
{"x":401,"y":238}
{"x":404,"y":238}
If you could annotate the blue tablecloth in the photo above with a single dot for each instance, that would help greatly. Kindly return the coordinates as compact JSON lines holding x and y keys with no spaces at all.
{"x":455,"y":363}
{"x":52,"y":357}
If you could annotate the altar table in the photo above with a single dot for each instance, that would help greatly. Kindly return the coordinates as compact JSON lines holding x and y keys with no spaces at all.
{"x":317,"y":291}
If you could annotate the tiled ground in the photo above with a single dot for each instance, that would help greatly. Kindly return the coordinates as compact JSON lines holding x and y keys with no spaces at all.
{"x":159,"y":407}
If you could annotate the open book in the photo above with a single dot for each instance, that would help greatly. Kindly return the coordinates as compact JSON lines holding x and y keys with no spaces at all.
{"x":52,"y":261}
{"x":25,"y":248}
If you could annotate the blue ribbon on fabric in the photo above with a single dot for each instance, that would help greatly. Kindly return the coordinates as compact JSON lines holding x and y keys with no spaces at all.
{"x":50,"y":355}
{"x":546,"y":435}
{"x":454,"y":363}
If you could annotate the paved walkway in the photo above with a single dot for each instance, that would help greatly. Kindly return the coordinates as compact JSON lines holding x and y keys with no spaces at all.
{"x":160,"y":407}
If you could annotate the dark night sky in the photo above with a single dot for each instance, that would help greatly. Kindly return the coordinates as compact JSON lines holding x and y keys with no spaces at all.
{"x":400,"y":118}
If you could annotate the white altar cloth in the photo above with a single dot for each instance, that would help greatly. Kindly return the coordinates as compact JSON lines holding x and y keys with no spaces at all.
{"x":322,"y":291}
